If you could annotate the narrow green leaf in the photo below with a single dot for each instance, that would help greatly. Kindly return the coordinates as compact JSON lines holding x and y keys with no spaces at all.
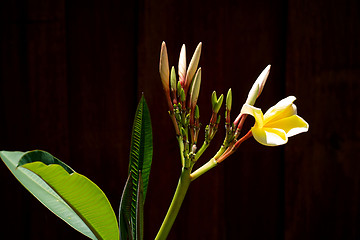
{"x":140,"y":210}
{"x":69,"y":195}
{"x":125,"y":211}
{"x":141,"y":145}
{"x":140,"y":163}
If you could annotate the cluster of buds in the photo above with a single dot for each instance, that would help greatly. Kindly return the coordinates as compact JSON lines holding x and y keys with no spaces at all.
{"x":272,"y":128}
{"x":182,"y":92}
{"x":182,"y":95}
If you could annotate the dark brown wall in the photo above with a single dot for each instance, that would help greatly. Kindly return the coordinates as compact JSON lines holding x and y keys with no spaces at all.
{"x":71,"y":73}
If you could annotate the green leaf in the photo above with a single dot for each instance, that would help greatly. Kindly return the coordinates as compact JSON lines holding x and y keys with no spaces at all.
{"x":139,"y":171}
{"x":69,"y":195}
{"x":125,"y":211}
{"x":126,"y":221}
{"x":141,"y":149}
{"x":140,"y":210}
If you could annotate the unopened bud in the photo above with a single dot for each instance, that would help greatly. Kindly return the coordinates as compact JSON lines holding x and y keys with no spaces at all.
{"x":173,"y":79}
{"x":182,"y":65}
{"x":213,"y":100}
{"x":218,"y":103}
{"x":258,"y":86}
{"x":182,"y":95}
{"x":164,"y":67}
{"x":197,"y":112}
{"x":178,"y":88}
{"x":194,"y":94}
{"x":229,"y":99}
{"x":193,"y":66}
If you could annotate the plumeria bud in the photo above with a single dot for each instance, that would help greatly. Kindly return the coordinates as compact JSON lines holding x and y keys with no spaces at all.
{"x":182,"y":95}
{"x":218,"y":104}
{"x":178,"y":88}
{"x":173,"y":85}
{"x":193,"y":66}
{"x":228,"y":107}
{"x":258,"y":86}
{"x":229,"y":99}
{"x":182,"y":65}
{"x":173,"y":79}
{"x":164,"y":67}
{"x":213,"y":99}
{"x":194,"y":94}
{"x":197,"y":112}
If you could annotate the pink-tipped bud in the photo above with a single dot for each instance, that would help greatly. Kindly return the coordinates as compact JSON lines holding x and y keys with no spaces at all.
{"x":182,"y":65}
{"x":194,"y":93}
{"x":164,"y":67}
{"x":193,"y":66}
{"x":258,"y":86}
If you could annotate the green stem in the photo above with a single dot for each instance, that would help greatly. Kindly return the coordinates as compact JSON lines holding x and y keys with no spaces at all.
{"x":201,"y":150}
{"x":183,"y":185}
{"x":203,"y":169}
{"x":209,"y":165}
{"x":181,"y":148}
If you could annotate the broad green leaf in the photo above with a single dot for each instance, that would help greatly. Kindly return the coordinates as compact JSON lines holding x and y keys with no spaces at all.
{"x":139,"y":170}
{"x":69,"y":195}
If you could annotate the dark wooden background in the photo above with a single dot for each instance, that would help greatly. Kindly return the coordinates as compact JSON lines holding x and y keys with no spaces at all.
{"x":71,"y":73}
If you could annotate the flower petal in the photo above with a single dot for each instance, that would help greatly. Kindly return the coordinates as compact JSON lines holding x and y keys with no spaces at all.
{"x":291,"y":125}
{"x":255,"y":112}
{"x":269,"y":136}
{"x":284,"y":108}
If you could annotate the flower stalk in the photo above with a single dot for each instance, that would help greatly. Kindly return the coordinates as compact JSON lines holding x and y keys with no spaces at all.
{"x":181,"y":190}
{"x":271,"y":128}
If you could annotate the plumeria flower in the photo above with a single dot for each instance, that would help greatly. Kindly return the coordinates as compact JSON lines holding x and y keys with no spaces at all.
{"x":278,"y":123}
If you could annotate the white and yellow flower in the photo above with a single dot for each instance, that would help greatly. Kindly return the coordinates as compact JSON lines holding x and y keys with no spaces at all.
{"x":278,"y":123}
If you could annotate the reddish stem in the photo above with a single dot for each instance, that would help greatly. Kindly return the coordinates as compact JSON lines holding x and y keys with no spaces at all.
{"x":231,"y":150}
